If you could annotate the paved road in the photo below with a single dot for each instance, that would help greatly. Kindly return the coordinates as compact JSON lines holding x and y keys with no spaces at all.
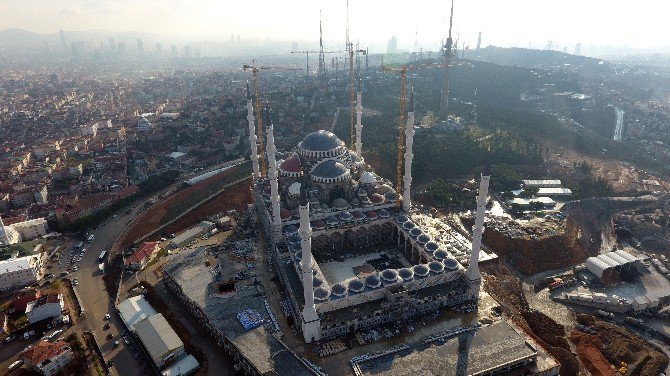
{"x":97,"y":302}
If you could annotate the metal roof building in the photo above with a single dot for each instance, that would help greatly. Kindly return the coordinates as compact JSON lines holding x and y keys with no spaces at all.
{"x":158,"y":338}
{"x":184,"y":366}
{"x":134,"y":310}
{"x":608,"y":266}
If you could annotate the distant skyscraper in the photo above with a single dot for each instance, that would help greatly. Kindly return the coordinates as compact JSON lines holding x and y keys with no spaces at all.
{"x":578,"y":49}
{"x":140,"y":47}
{"x":62,"y":40}
{"x":479,"y":41}
{"x":392,"y":46}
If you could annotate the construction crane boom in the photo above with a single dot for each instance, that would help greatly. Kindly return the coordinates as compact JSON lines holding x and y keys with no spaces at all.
{"x":257,"y":106}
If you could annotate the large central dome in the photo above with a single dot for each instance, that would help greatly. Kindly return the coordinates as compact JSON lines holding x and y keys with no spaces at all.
{"x":320,"y":142}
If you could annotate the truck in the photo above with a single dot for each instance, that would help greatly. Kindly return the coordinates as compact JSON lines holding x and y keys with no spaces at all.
{"x":15,"y":365}
{"x":605,"y":315}
{"x":101,"y":267}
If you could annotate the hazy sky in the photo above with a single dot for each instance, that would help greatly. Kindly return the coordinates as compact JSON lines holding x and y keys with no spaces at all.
{"x":504,"y":23}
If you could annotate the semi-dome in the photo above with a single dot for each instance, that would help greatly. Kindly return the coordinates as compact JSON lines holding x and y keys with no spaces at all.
{"x":423,"y":239}
{"x":451,"y":264}
{"x":321,"y":294}
{"x":329,"y":170}
{"x":290,"y":166}
{"x":356,"y":285}
{"x":290,"y":230}
{"x":340,"y":203}
{"x":436,"y":267}
{"x":318,"y":225}
{"x":367,"y":178}
{"x":372,"y":214}
{"x":316,"y":282}
{"x":390,"y":196}
{"x":383,"y":213}
{"x":294,"y":189}
{"x":320,"y":141}
{"x":359,"y":216}
{"x":420,"y":270}
{"x":346,"y":216}
{"x":339,"y":289}
{"x":332,"y":220}
{"x":390,"y":275}
{"x":384,"y":188}
{"x":414,"y":232}
{"x":373,"y":281}
{"x":376,"y":198}
{"x":440,"y":254}
{"x":406,"y":274}
{"x":431,"y":246}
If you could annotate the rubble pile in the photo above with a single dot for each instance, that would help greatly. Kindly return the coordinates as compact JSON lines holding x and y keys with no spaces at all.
{"x":588,"y":346}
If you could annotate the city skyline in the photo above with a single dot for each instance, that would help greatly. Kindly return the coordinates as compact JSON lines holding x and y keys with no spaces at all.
{"x":521,"y":23}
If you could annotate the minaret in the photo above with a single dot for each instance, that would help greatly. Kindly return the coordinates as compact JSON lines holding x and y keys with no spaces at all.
{"x":472,"y":273}
{"x":409,"y":140}
{"x":444,"y":99}
{"x":311,"y":326}
{"x":3,"y":235}
{"x":359,"y":124}
{"x":252,"y":135}
{"x":272,"y":174}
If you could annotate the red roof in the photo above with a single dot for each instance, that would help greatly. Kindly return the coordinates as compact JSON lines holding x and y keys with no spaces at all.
{"x":291,"y":164}
{"x":44,"y":350}
{"x":144,"y":251}
{"x":127,"y":191}
{"x":285,"y":213}
{"x":376,"y":198}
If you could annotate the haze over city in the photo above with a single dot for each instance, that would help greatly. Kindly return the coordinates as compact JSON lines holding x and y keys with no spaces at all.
{"x":520,"y":23}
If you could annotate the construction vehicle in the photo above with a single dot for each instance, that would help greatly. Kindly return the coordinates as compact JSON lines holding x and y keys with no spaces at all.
{"x":257,"y":106}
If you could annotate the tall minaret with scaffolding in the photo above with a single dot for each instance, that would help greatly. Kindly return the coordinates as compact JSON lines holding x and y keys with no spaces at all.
{"x":409,"y":155}
{"x":252,"y":135}
{"x":322,"y":62}
{"x":272,"y":175}
{"x":359,"y":116}
{"x":311,"y":325}
{"x":472,"y":273}
{"x":444,"y":98}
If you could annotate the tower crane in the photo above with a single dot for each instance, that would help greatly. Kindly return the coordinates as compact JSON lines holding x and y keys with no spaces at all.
{"x":257,"y":105}
{"x":401,"y":120}
{"x":307,"y":52}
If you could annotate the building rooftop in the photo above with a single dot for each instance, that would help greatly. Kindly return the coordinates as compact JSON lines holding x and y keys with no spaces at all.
{"x":144,"y":251}
{"x":16,"y":264}
{"x":182,"y":367}
{"x":44,"y":350}
{"x":320,"y":141}
{"x":157,"y":336}
{"x":476,"y":352}
{"x":134,"y":310}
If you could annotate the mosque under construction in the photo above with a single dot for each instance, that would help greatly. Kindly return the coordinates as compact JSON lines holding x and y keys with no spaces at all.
{"x":342,"y":240}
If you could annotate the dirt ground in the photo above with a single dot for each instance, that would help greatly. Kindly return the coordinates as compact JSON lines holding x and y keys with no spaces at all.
{"x":151,"y":218}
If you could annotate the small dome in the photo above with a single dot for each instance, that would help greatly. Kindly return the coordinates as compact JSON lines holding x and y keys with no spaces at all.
{"x":316,"y":282}
{"x":440,"y":254}
{"x":285,"y":213}
{"x":376,"y":198}
{"x":294,"y":238}
{"x":431,"y":246}
{"x":340,"y":203}
{"x":355,"y":158}
{"x":420,"y":270}
{"x":367,"y":178}
{"x":384,"y":189}
{"x":390,"y":275}
{"x":390,"y":196}
{"x":372,"y":281}
{"x":294,"y":189}
{"x":451,"y":264}
{"x":359,"y":216}
{"x":329,"y":169}
{"x":436,"y":267}
{"x":423,"y":239}
{"x":408,"y":225}
{"x":406,"y":274}
{"x":362,"y":193}
{"x":339,"y":289}
{"x":356,"y":285}
{"x":415,"y":232}
{"x":346,"y":216}
{"x":291,"y":165}
{"x":290,"y":230}
{"x":372,"y":214}
{"x":319,"y":225}
{"x":383,"y":213}
{"x":321,"y":294}
{"x":332,"y":220}
{"x":320,"y":141}
{"x":401,"y":219}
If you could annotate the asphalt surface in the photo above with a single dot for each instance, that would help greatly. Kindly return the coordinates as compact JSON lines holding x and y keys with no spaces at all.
{"x":97,"y":302}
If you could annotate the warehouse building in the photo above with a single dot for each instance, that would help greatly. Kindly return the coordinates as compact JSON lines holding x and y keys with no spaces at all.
{"x":612,"y":266}
{"x":134,"y":310}
{"x":160,"y":341}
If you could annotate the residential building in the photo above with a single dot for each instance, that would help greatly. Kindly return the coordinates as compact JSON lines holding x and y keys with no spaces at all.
{"x":31,"y":229}
{"x":19,"y":272}
{"x":139,"y":259}
{"x":46,"y":306}
{"x":48,"y":358}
